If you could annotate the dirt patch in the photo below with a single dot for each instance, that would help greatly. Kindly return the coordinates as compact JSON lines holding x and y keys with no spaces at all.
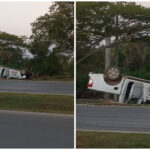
{"x":89,"y":94}
{"x":97,"y":102}
{"x":108,"y":102}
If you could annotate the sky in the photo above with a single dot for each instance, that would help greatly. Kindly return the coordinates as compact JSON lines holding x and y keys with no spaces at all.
{"x":144,"y":3}
{"x":16,"y":17}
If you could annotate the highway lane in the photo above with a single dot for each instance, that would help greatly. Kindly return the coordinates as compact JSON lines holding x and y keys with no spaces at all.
{"x":113,"y":118}
{"x":35,"y":130}
{"x":28,"y":86}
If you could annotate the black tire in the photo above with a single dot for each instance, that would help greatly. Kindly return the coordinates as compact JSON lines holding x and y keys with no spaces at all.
{"x":113,"y":74}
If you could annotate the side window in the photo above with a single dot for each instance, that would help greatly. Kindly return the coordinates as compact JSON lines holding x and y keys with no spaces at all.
{"x":128,"y":90}
{"x":2,"y":72}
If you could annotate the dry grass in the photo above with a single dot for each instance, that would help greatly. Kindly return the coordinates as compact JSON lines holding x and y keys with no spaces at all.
{"x":92,"y":139}
{"x":106,"y":102}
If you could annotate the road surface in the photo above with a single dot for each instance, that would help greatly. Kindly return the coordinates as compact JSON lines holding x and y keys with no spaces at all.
{"x":35,"y":130}
{"x":114,"y":118}
{"x":28,"y":86}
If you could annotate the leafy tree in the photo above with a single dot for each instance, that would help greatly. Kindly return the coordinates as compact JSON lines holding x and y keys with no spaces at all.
{"x":55,"y":27}
{"x":11,"y":49}
{"x":125,"y":23}
{"x":134,"y":55}
{"x":122,"y":21}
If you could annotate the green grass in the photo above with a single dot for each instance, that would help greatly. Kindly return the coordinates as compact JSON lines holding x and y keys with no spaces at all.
{"x":37,"y":102}
{"x":93,"y":139}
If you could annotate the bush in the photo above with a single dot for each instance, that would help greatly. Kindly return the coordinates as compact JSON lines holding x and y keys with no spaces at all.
{"x":144,"y":74}
{"x":82,"y":80}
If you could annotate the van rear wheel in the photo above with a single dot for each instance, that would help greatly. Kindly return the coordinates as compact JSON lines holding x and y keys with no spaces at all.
{"x":113,"y":73}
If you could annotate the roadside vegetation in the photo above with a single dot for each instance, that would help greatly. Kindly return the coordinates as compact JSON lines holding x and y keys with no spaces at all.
{"x":53,"y":78}
{"x":93,"y":139}
{"x":125,"y":22}
{"x":37,"y":102}
{"x":48,"y":52}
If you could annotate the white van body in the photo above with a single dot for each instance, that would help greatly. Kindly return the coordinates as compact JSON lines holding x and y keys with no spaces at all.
{"x":9,"y":73}
{"x":128,"y":89}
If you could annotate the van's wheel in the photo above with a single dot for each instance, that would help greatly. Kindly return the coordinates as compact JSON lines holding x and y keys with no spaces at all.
{"x":113,"y":73}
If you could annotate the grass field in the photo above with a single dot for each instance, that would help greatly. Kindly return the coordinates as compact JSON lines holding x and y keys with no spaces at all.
{"x":37,"y":102}
{"x":92,"y":139}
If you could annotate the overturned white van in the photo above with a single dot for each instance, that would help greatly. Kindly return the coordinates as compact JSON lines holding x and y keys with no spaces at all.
{"x":9,"y":73}
{"x":128,"y":89}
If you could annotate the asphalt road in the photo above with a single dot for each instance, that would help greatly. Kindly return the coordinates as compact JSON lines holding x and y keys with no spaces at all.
{"x":28,"y":86}
{"x":35,"y":130}
{"x":113,"y":118}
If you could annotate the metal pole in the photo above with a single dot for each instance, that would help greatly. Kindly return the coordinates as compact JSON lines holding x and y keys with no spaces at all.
{"x":107,"y":54}
{"x":115,"y":96}
{"x":107,"y":61}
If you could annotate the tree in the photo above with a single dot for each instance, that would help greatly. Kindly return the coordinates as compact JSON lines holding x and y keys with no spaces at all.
{"x":122,"y":21}
{"x":11,"y":49}
{"x":55,"y":27}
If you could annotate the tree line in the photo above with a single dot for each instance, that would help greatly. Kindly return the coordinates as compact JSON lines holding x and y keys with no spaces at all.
{"x":50,"y":44}
{"x":128,"y":26}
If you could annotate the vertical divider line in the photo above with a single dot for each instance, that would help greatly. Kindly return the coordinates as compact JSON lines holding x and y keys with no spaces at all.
{"x":74,"y":74}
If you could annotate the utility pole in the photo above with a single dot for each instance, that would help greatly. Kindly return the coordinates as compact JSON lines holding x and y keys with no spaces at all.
{"x":107,"y":61}
{"x":115,"y":96}
{"x":107,"y":53}
{"x":116,"y":49}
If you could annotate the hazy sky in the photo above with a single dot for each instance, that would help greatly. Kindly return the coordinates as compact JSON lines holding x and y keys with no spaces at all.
{"x":15,"y":17}
{"x":144,"y":3}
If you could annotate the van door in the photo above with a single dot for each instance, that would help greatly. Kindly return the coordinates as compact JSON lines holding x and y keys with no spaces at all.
{"x":6,"y":73}
{"x":136,"y":94}
{"x":132,"y":92}
{"x":2,"y":72}
{"x":128,"y":91}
